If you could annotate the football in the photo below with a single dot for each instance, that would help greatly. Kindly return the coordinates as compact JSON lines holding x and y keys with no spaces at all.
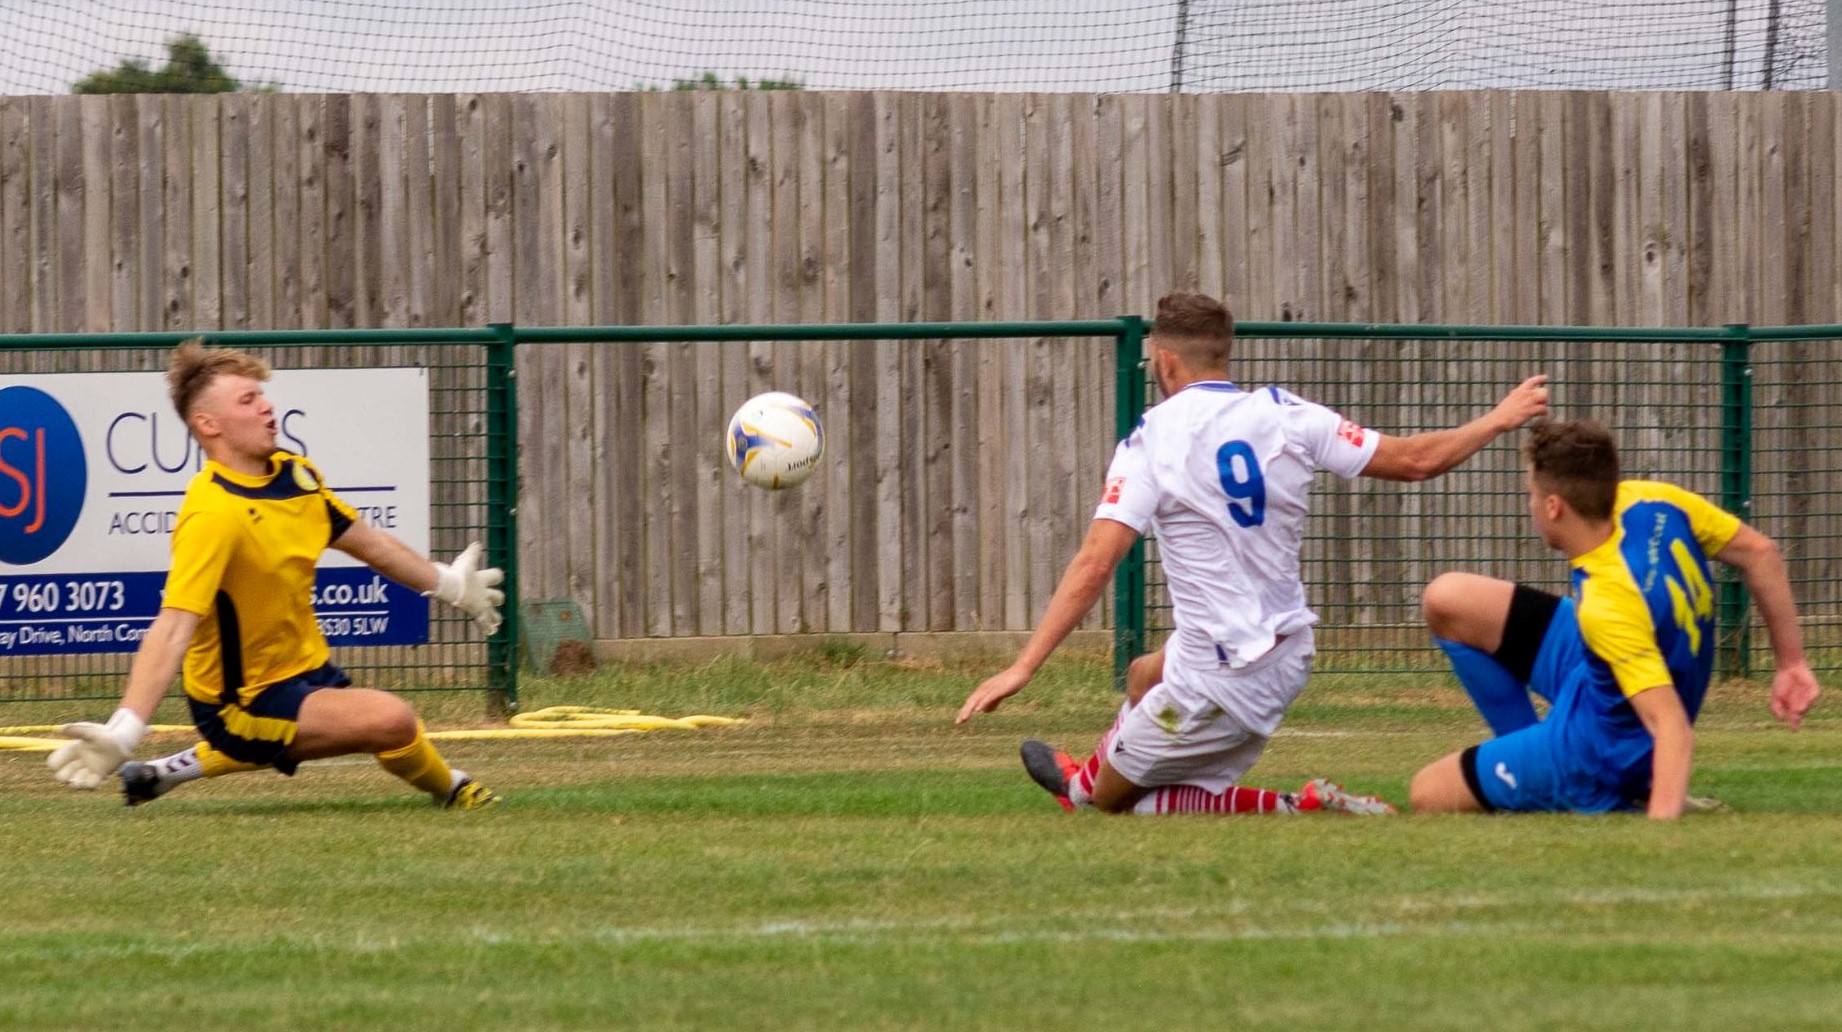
{"x":775,"y":440}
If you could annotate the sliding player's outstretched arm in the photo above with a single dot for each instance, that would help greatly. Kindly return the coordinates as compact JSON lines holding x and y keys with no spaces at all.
{"x":1761,"y":566}
{"x":462,"y":583}
{"x":1087,"y":576}
{"x":1426,"y":455}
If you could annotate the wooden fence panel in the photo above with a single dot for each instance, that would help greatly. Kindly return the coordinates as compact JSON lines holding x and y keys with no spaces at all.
{"x":912,"y":443}
{"x":937,"y":607}
{"x":125,"y":166}
{"x":836,"y":397}
{"x":619,"y":495}
{"x":176,"y":269}
{"x":338,"y":228}
{"x":1048,"y":465}
{"x":996,"y":561}
{"x":285,"y":215}
{"x":16,"y":190}
{"x":679,"y":466}
{"x":440,"y":286}
{"x":1010,"y":411}
{"x":205,"y":177}
{"x":69,"y":164}
{"x":704,"y":395}
{"x":726,"y":297}
{"x":759,"y":162}
{"x":1548,"y":180}
{"x":960,"y":473}
{"x":237,"y":139}
{"x":410,"y":191}
{"x":1088,"y":361}
{"x":98,"y":140}
{"x":806,"y":289}
{"x":582,"y":578}
{"x":310,"y":245}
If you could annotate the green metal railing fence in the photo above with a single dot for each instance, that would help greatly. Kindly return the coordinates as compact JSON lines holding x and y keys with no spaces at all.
{"x":1748,"y":416}
{"x":474,"y":433}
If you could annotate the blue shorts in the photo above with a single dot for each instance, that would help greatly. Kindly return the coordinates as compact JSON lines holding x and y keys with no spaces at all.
{"x":261,"y":732}
{"x":1552,"y":766}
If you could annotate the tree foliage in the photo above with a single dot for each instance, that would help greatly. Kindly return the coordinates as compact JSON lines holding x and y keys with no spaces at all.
{"x":189,"y":68}
{"x":710,"y":81}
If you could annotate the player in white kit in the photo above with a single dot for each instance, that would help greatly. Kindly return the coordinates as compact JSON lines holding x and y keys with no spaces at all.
{"x":1221,"y":475}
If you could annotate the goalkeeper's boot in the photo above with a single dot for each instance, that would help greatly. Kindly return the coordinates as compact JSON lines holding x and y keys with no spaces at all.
{"x":1049,"y":768}
{"x":141,"y":783}
{"x":1323,"y":794}
{"x":469,"y":794}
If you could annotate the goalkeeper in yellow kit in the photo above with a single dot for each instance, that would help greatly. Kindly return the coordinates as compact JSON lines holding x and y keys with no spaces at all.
{"x":237,"y":611}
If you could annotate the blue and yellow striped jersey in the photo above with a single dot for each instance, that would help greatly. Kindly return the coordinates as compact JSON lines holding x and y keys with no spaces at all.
{"x":1645,"y":601}
{"x":244,"y":552}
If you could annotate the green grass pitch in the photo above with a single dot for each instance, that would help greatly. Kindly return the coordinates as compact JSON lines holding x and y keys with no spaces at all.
{"x":849,"y":859}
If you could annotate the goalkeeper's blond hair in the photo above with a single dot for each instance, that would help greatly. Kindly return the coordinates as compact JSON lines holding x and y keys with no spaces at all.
{"x":193,"y":367}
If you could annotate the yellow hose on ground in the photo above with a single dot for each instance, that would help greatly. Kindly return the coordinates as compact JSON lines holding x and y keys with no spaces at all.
{"x":9,"y":735}
{"x":28,"y":744}
{"x":589,"y":717}
{"x":550,"y":722}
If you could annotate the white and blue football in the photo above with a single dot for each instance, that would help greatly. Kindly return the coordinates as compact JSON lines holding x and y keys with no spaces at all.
{"x":776,"y":440}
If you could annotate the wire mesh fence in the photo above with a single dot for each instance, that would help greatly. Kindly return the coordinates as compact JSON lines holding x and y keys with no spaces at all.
{"x":1745,"y":417}
{"x":1082,"y":46}
{"x":1370,"y":547}
{"x":1796,"y":388}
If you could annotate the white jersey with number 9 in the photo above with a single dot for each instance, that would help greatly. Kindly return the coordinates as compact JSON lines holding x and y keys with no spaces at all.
{"x":1221,"y":476}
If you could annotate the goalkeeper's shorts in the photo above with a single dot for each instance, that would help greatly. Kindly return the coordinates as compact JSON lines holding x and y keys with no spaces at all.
{"x":261,"y":731}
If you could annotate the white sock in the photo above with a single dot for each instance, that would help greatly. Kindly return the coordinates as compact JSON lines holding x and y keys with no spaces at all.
{"x":177,"y":769}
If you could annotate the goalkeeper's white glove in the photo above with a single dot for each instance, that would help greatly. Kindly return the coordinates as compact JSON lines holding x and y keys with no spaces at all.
{"x":96,"y":751}
{"x":465,"y":586}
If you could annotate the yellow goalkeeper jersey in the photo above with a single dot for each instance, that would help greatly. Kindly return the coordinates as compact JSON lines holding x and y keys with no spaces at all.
{"x":244,"y":552}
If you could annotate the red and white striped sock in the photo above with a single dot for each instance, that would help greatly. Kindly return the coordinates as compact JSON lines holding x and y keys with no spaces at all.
{"x":1081,"y":782}
{"x":1191,"y":799}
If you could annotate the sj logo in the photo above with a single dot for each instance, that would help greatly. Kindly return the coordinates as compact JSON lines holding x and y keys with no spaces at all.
{"x":32,"y":485}
{"x":42,"y":475}
{"x":1350,"y":432}
{"x":1113,"y":487}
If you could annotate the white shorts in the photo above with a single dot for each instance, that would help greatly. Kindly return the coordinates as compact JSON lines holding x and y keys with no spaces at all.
{"x":1183,"y":732}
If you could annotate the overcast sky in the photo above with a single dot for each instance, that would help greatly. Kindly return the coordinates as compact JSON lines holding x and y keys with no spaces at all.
{"x":1048,"y":45}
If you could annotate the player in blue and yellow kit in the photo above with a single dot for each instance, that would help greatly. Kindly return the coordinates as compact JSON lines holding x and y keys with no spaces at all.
{"x":237,"y":610}
{"x":1624,"y":662}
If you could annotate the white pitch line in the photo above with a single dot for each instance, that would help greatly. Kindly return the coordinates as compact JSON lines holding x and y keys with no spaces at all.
{"x":1075,"y":926}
